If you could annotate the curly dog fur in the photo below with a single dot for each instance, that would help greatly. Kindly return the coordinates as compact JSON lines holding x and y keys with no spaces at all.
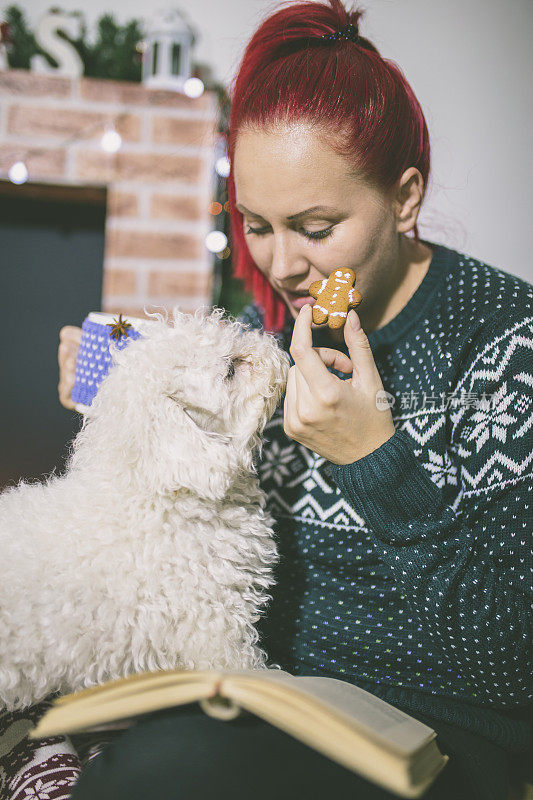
{"x":154,"y":549}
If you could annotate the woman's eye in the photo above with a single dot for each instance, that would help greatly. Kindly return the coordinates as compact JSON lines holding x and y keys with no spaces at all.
{"x":313,"y":235}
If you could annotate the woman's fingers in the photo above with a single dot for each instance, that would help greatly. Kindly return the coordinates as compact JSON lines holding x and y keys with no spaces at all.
{"x":70,"y":332}
{"x":69,"y":342}
{"x":332,"y":358}
{"x":64,"y":391}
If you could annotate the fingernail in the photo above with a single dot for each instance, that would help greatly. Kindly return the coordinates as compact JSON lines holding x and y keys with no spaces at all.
{"x":355,"y":322}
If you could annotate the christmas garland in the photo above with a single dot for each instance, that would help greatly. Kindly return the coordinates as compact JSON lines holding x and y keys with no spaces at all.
{"x":115,"y":53}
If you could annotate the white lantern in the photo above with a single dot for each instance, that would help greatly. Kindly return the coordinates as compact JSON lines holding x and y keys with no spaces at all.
{"x":167,"y":50}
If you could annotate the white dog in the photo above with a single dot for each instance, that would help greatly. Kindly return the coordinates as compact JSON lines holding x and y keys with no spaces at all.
{"x":154,"y":549}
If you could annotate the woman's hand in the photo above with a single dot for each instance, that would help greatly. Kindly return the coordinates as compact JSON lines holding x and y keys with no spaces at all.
{"x":69,"y":342}
{"x":338,"y":419}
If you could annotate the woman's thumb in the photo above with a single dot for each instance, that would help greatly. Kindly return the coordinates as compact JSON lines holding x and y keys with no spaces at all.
{"x":360,"y":351}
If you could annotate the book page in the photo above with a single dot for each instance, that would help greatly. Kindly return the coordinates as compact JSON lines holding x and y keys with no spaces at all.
{"x":406,"y":732}
{"x":139,"y":682}
{"x":326,"y":727}
{"x":345,"y":700}
{"x":394,"y":726}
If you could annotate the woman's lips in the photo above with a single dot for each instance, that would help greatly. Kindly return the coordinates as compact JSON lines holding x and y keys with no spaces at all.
{"x":298,"y":301}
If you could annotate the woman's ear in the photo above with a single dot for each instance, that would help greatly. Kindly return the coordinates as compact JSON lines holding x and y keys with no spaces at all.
{"x":408,"y":199}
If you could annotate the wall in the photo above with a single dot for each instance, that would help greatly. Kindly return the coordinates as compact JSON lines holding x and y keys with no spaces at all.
{"x":159,"y":184}
{"x":470,"y":65}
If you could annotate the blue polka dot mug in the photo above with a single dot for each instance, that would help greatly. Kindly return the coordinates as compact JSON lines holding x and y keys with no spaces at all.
{"x":98,"y":332}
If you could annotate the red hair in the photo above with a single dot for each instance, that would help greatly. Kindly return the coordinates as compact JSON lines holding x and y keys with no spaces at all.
{"x":360,"y":102}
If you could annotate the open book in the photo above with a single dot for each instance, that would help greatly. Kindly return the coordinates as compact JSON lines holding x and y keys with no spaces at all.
{"x":339,"y":720}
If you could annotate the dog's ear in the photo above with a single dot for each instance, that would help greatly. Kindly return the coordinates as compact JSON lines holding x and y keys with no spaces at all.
{"x":188,"y":456}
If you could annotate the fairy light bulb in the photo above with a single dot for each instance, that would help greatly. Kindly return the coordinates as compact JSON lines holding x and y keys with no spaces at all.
{"x":193,"y":87}
{"x":111,"y":141}
{"x":18,"y":173}
{"x":222,"y":166}
{"x":215,"y":241}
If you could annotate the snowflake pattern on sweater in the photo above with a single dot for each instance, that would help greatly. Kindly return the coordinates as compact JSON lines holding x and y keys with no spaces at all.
{"x":409,"y":572}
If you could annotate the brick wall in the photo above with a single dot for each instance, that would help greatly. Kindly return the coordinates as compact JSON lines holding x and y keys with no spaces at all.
{"x":159,"y":184}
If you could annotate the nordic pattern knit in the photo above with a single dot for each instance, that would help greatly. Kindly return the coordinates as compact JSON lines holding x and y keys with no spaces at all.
{"x":409,"y":572}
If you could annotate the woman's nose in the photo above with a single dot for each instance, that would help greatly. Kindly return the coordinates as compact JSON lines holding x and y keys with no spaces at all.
{"x":286,"y":264}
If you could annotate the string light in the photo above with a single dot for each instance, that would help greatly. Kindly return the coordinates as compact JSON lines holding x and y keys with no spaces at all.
{"x":222,"y":166}
{"x":111,"y":141}
{"x":216,"y":241}
{"x":193,"y":87}
{"x":18,"y":173}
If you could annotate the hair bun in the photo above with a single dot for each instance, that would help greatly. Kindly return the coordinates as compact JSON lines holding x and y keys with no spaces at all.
{"x":346,"y":26}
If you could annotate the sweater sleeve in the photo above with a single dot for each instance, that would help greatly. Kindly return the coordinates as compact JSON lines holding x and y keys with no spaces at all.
{"x":466,"y":567}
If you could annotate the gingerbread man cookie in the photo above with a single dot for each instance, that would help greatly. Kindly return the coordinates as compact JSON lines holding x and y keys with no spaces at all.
{"x":335,"y":296}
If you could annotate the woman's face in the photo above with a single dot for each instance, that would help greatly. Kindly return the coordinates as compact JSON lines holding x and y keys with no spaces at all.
{"x":281,"y":175}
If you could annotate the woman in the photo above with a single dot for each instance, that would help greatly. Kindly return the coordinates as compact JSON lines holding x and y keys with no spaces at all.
{"x":402,"y":492}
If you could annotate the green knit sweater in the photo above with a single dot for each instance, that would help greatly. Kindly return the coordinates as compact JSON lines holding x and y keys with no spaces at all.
{"x":409,"y":572}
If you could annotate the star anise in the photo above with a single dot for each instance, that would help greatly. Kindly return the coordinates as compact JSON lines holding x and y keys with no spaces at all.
{"x":119,"y":327}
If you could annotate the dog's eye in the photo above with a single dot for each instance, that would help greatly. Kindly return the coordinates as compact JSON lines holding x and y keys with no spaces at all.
{"x":231,"y":370}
